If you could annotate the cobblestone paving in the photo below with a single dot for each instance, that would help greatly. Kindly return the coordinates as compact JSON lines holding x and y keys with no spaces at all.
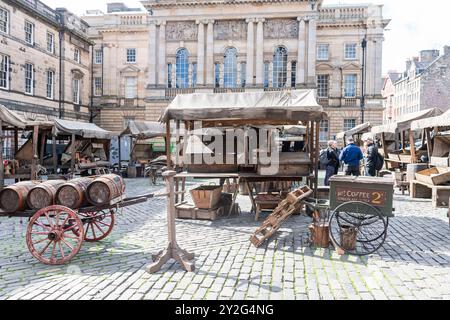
{"x":413,"y":264}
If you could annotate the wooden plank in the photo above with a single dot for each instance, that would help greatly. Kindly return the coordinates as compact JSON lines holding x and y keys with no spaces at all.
{"x":412,"y":146}
{"x":429,"y":144}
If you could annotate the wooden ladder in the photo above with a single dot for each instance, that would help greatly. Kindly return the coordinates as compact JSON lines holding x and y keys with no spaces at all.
{"x":285,"y":209}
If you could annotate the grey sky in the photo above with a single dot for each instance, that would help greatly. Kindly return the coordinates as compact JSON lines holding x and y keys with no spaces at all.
{"x":415,"y":25}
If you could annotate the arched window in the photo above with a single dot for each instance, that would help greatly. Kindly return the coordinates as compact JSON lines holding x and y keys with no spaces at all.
{"x":182,"y":68}
{"x":230,"y":68}
{"x":280,"y":67}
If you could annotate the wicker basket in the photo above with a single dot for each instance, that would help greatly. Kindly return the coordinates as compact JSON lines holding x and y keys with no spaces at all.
{"x":206,"y":197}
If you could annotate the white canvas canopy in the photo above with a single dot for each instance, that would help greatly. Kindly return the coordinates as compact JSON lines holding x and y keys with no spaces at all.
{"x":144,"y":129}
{"x":10,"y":118}
{"x":358,"y":129}
{"x":81,"y":129}
{"x":405,"y":123}
{"x":439,"y":121}
{"x":295,"y":105}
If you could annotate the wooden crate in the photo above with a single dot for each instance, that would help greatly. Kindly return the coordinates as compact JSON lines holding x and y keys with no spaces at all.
{"x":434,"y":176}
{"x":440,"y":161}
{"x":206,"y":197}
{"x":188,"y":211}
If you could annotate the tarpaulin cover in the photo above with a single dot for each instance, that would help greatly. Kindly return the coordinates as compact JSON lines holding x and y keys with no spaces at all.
{"x":439,"y":121}
{"x":11,"y":119}
{"x":358,"y":129}
{"x":295,"y":105}
{"x":145,"y":129}
{"x":81,"y":129}
{"x":405,"y":122}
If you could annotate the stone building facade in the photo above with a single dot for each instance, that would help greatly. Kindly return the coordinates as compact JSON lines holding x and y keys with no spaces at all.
{"x":424,"y":84}
{"x":228,"y":46}
{"x":45,"y":58}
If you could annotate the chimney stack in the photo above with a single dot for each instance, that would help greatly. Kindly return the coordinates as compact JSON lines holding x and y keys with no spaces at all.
{"x":429,"y":55}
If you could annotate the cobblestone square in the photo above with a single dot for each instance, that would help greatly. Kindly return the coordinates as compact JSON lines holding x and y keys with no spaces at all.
{"x":413,"y":264}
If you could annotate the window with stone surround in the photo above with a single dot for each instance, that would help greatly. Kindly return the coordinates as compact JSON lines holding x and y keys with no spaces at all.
{"x":50,"y":84}
{"x":130,"y":87}
{"x":29,"y":78}
{"x":77,"y":55}
{"x":4,"y":71}
{"x":98,"y":86}
{"x":350,"y":85}
{"x":322,"y":52}
{"x":182,"y":68}
{"x":98,"y":56}
{"x":29,"y":32}
{"x":76,"y":91}
{"x":293,"y":73}
{"x":169,"y":75}
{"x":323,"y":81}
{"x":230,"y":68}
{"x":131,"y":55}
{"x":350,"y":51}
{"x":50,"y":42}
{"x":324,"y":132}
{"x":280,"y":67}
{"x":349,"y":124}
{"x":4,"y":20}
{"x":243,"y":73}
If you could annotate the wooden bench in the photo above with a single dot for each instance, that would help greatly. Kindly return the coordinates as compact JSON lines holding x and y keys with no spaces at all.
{"x":438,"y":194}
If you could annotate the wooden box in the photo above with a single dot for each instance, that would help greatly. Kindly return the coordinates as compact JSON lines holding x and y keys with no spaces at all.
{"x":206,"y":197}
{"x":440,"y":161}
{"x":188,"y":211}
{"x":434,"y":176}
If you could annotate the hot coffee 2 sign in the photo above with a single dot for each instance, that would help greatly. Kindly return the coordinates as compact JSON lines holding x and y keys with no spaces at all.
{"x":376,"y":198}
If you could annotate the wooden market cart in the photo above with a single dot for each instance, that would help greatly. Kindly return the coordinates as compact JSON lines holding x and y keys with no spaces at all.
{"x":88,"y":149}
{"x":248,"y":110}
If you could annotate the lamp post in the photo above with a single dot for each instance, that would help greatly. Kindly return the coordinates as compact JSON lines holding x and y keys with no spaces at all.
{"x":363,"y":78}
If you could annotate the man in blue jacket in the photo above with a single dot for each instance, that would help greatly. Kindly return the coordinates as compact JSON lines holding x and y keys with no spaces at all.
{"x":351,"y":156}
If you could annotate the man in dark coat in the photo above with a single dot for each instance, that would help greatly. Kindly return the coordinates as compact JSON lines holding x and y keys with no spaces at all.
{"x":351,"y":156}
{"x":370,"y":158}
{"x":332,"y":167}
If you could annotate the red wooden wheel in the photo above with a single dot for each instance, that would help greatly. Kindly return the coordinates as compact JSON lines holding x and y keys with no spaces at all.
{"x":97,"y":225}
{"x":50,"y":237}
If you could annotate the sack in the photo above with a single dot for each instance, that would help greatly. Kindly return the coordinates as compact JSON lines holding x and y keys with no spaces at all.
{"x":379,"y":162}
{"x":323,"y":157}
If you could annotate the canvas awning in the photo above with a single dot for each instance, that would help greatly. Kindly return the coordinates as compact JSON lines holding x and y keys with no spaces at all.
{"x":295,"y":105}
{"x":11,"y":119}
{"x":144,"y":129}
{"x":358,"y":129}
{"x":405,"y":122}
{"x":439,"y":121}
{"x":81,"y":129}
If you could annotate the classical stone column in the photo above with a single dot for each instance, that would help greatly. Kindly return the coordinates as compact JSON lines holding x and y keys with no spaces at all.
{"x":210,"y":53}
{"x":162,"y":66}
{"x":152,"y":54}
{"x":301,"y":58}
{"x":370,"y":50}
{"x":312,"y":44}
{"x":259,"y":51}
{"x":250,"y":51}
{"x":201,"y":54}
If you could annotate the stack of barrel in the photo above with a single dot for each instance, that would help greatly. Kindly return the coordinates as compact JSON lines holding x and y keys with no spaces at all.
{"x":73,"y":194}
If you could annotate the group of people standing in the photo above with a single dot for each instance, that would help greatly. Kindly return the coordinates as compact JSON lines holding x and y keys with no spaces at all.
{"x":351,"y":158}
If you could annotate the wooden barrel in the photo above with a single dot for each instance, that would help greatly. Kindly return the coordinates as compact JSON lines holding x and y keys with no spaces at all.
{"x":72,"y":194}
{"x":44,"y":195}
{"x":412,"y":169}
{"x":104,"y":189}
{"x":14,"y":198}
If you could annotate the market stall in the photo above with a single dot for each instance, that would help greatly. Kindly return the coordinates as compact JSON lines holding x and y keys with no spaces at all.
{"x":259,"y":115}
{"x":144,"y":146}
{"x":25,"y":160}
{"x":87,"y":151}
{"x":356,"y":133}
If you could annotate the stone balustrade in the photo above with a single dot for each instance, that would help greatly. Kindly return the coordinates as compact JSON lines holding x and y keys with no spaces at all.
{"x":350,"y":13}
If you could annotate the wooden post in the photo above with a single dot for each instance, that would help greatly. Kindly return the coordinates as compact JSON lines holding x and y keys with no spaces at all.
{"x":177,"y":152}
{"x":403,"y":140}
{"x":120,"y":157}
{"x":172,"y":251}
{"x":35,"y":155}
{"x":168,"y":153}
{"x":73,"y":151}
{"x":43,"y":143}
{"x":2,"y":166}
{"x":412,"y":146}
{"x":316,"y":158}
{"x":429,"y":144}
{"x":385,"y":149}
{"x":16,"y":141}
{"x":55,"y":156}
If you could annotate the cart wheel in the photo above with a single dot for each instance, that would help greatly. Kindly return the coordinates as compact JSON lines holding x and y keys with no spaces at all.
{"x":358,"y":228}
{"x":50,"y":236}
{"x":97,"y":225}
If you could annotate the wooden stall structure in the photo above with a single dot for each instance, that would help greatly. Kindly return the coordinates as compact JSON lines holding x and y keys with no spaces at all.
{"x":246,"y":112}
{"x":88,"y":150}
{"x":395,"y":149}
{"x":434,"y":182}
{"x":356,"y":133}
{"x":26,"y":159}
